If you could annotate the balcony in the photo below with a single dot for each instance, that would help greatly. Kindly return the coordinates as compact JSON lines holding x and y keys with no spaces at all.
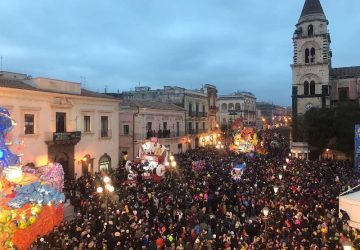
{"x":63,"y":137}
{"x":197,"y":114}
{"x":105,"y":134}
{"x":168,"y":134}
{"x":199,"y":131}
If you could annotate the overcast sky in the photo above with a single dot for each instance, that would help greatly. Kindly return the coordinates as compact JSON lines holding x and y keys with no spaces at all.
{"x":234,"y":44}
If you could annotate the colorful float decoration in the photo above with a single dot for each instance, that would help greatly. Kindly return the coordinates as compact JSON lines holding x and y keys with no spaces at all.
{"x":238,"y":170}
{"x":246,"y":141}
{"x":30,"y":198}
{"x":153,"y":158}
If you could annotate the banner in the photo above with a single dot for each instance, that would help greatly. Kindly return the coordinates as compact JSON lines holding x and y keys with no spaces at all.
{"x":357,"y":148}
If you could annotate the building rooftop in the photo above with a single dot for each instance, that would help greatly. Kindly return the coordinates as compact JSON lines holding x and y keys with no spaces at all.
{"x":312,"y":10}
{"x":18,"y":84}
{"x":345,"y":72}
{"x":151,"y":105}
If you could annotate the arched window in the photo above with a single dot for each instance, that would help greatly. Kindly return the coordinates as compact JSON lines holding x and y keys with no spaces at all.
{"x":312,"y":88}
{"x":231,"y":106}
{"x":237,"y":106}
{"x":306,"y":88}
{"x":312,"y":55}
{"x":310,"y":30}
{"x":105,"y":163}
{"x":224,"y":107}
{"x":307,"y":54}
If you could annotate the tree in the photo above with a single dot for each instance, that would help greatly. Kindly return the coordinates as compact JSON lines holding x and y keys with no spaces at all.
{"x":331,"y":127}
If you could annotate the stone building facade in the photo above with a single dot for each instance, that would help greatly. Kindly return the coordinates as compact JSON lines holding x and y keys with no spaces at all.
{"x":60,"y":121}
{"x":237,"y":105}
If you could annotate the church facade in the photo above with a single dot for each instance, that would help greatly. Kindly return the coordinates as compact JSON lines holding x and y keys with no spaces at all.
{"x":315,"y":83}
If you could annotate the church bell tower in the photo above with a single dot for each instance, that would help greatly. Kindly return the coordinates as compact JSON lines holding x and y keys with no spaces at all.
{"x":311,"y":63}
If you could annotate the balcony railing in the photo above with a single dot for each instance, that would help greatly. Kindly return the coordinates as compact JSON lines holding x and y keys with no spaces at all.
{"x":198,"y":131}
{"x":148,"y":135}
{"x":197,"y":114}
{"x":105,"y":134}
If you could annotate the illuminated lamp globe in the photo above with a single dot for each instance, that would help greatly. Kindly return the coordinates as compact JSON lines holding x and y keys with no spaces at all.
{"x":265,"y":211}
{"x":276,"y":189}
{"x":106,"y":179}
{"x":173,"y":164}
{"x":99,"y":190}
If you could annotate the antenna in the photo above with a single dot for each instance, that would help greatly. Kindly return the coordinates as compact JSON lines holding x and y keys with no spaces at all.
{"x":105,"y":89}
{"x":1,"y":64}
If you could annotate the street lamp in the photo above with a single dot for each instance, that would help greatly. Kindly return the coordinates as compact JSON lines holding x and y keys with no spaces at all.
{"x":106,"y":179}
{"x":287,"y":160}
{"x":280,"y":176}
{"x":276,"y":189}
{"x":265,"y":211}
{"x":106,"y":191}
{"x":284,"y":167}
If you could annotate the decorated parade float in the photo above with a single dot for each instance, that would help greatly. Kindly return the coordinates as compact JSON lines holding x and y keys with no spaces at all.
{"x":152,"y":161}
{"x":31,"y":198}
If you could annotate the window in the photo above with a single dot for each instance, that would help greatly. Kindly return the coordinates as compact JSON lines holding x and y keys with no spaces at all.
{"x":190,"y":108}
{"x":29,"y":124}
{"x":177,"y":128}
{"x":343,"y":93}
{"x":164,"y":126}
{"x":149,"y":126}
{"x":312,"y":88}
{"x":104,"y":126}
{"x":190,"y":127}
{"x":307,"y":54}
{"x":60,"y":122}
{"x":105,"y":162}
{"x":126,"y":129}
{"x":179,"y":148}
{"x":197,"y":108}
{"x":312,"y":53}
{"x":203,"y":125}
{"x":310,"y":30}
{"x":306,"y":88}
{"x":87,"y":123}
{"x":224,"y":107}
{"x":197,"y":127}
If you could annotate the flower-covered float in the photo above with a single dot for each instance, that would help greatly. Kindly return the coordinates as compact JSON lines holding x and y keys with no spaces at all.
{"x":30,"y":198}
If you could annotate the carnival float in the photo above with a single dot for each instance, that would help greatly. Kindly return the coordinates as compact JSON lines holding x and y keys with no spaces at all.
{"x":152,"y":161}
{"x":31,"y":198}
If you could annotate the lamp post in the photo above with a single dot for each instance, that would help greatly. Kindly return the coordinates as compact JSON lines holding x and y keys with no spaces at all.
{"x":172,"y":164}
{"x":276,"y":189}
{"x":280,"y":177}
{"x":106,"y":191}
{"x":284,"y":167}
{"x":265,"y":212}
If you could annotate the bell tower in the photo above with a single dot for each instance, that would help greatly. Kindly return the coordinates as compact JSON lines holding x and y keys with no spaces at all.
{"x":311,"y":62}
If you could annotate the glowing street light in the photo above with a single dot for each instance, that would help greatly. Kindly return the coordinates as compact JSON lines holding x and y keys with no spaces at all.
{"x":265,"y":211}
{"x":171,"y":158}
{"x":284,"y":167}
{"x":173,"y":164}
{"x":280,"y":176}
{"x":276,"y":189}
{"x":106,"y":179}
{"x":99,"y":190}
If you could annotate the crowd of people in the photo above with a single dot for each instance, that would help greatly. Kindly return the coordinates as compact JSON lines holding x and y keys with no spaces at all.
{"x":207,"y":209}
